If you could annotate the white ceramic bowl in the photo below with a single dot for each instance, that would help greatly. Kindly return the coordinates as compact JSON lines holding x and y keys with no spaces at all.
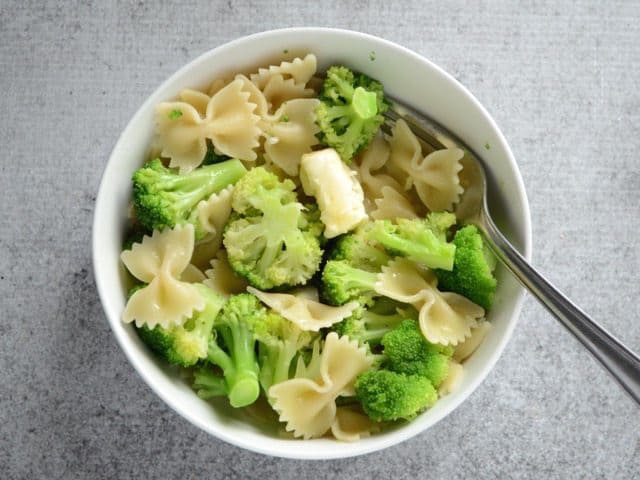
{"x":405,"y":75}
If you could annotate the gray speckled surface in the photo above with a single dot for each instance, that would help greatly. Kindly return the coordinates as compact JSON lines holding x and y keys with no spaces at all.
{"x":561,"y":80}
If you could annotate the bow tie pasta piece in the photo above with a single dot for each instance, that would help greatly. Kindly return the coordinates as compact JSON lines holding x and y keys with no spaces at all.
{"x":334,"y":185}
{"x":196,"y":99}
{"x":350,"y":425}
{"x":300,"y":70}
{"x":192,"y":274}
{"x":277,"y":91}
{"x":159,"y":261}
{"x":454,"y":377}
{"x":466,"y":348}
{"x":308,"y":406}
{"x":232,"y":125}
{"x":306,"y":313}
{"x":392,"y":205}
{"x":214,"y":212}
{"x":445,"y":318}
{"x":291,"y":133}
{"x":374,"y":158}
{"x":222,"y":279}
{"x":182,"y":134}
{"x":435,"y":177}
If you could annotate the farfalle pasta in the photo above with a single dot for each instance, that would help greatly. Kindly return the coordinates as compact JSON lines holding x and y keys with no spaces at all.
{"x":445,"y":318}
{"x":306,"y":313}
{"x":300,"y":285}
{"x":308,"y":405}
{"x":159,"y":261}
{"x":435,"y":177}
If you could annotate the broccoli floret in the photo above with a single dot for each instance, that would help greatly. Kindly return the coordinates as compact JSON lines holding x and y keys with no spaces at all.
{"x":472,"y":275}
{"x":232,"y":348}
{"x":185,"y":344}
{"x":279,"y":341}
{"x":342,"y":283}
{"x":162,"y":198}
{"x":407,"y":351}
{"x":387,"y":395}
{"x":368,"y":326}
{"x":269,"y":239}
{"x":312,"y":222}
{"x":422,"y":241}
{"x":350,"y":111}
{"x":357,"y":249}
{"x":209,"y":384}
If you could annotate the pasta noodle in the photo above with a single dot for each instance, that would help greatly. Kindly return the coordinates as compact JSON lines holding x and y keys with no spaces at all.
{"x":228,"y":120}
{"x":451,"y":383}
{"x":291,"y":134}
{"x":221,"y":278}
{"x":445,"y":317}
{"x":159,"y":261}
{"x":435,"y":176}
{"x":300,"y":70}
{"x":308,"y":405}
{"x":392,"y":205}
{"x":306,"y":313}
{"x":350,"y":425}
{"x":466,"y":348}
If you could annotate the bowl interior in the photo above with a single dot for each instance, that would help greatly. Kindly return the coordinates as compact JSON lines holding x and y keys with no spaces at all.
{"x":406,"y":76}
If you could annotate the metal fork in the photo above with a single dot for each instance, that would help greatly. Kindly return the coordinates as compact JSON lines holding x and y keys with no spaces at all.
{"x":473,"y":208}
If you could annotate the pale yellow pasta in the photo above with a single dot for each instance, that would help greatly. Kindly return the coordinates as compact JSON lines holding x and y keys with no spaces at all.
{"x":306,"y":313}
{"x":435,"y":177}
{"x":466,"y":348}
{"x":182,"y":135}
{"x":308,"y":405}
{"x":392,"y":205}
{"x":255,"y":96}
{"x":192,"y":274}
{"x":374,"y":159}
{"x":196,"y":99}
{"x":159,"y":261}
{"x":228,"y":121}
{"x":231,"y":124}
{"x":214,"y":212}
{"x":278,"y":90}
{"x":291,"y":133}
{"x":221,"y":278}
{"x":217,"y":85}
{"x":337,"y":191}
{"x":351,"y":424}
{"x":300,"y":70}
{"x":452,"y":381}
{"x":445,"y":317}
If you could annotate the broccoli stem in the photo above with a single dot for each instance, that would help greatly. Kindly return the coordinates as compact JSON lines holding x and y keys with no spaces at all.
{"x":429,"y":250}
{"x":209,"y":385}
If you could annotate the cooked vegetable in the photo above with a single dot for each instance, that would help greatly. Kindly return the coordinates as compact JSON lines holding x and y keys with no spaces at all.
{"x":270,"y":240}
{"x":423,"y":241}
{"x":185,"y":344}
{"x":472,"y":275}
{"x":342,"y":283}
{"x":350,"y":112}
{"x":162,"y":198}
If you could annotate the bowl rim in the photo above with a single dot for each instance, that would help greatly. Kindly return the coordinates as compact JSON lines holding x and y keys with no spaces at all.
{"x":408,"y":430}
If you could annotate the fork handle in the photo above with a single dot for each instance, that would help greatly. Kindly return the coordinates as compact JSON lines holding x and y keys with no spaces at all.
{"x":618,"y":360}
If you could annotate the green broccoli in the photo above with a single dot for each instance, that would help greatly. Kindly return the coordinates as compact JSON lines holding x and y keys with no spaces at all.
{"x":387,"y":395}
{"x":342,"y":283}
{"x":350,"y":111}
{"x":422,"y":241}
{"x":162,"y":198}
{"x":366,"y":325}
{"x":359,"y":251}
{"x":407,"y":351}
{"x":269,"y":239}
{"x":209,"y":384}
{"x":279,"y":341}
{"x":185,"y":344}
{"x":232,"y":348}
{"x":472,"y":275}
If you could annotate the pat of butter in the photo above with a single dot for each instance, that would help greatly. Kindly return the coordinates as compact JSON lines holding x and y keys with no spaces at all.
{"x":336,"y":189}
